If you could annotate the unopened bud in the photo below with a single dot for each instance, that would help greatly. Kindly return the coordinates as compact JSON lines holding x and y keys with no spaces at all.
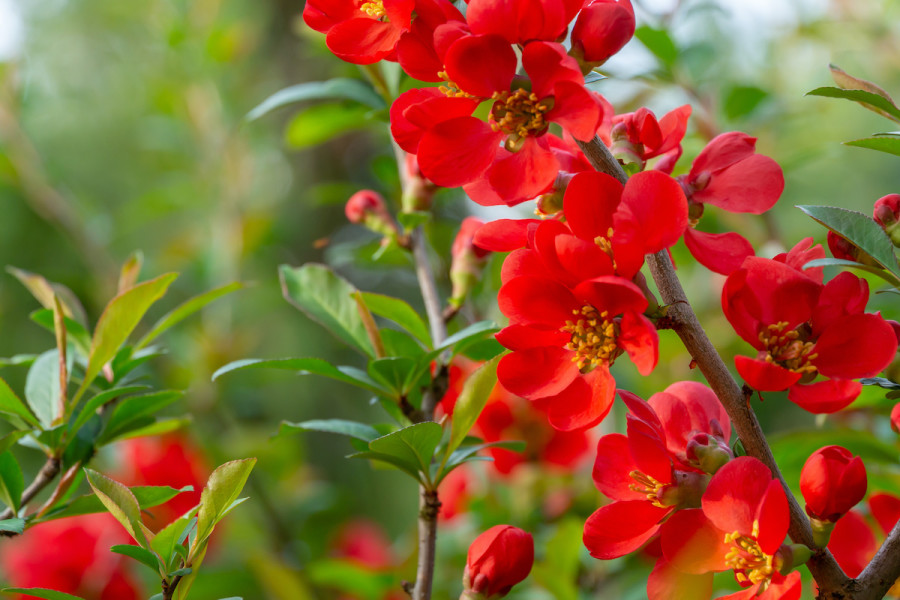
{"x":418,"y":191}
{"x":832,"y":481}
{"x":367,"y":207}
{"x":552,"y":202}
{"x":887,"y":214}
{"x":468,"y":261}
{"x":792,"y":556}
{"x":497,"y":560}
{"x":708,"y":452}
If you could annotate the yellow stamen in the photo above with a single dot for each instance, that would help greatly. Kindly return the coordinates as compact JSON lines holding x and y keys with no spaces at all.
{"x":450,"y":88}
{"x":519,"y":114}
{"x":593,"y":338}
{"x":373,"y":8}
{"x":787,"y":348}
{"x":750,"y":563}
{"x":648,"y":486}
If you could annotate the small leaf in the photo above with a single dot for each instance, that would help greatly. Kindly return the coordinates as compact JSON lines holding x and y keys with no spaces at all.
{"x":849,"y":82}
{"x":131,"y":270}
{"x":465,"y":452}
{"x":181,"y":572}
{"x":348,"y":89}
{"x":472,"y":332}
{"x":121,"y":503}
{"x":185,"y":310}
{"x":42,"y":387}
{"x":393,"y":373}
{"x":412,"y":219}
{"x":44,"y":290}
{"x":164,"y":542}
{"x":42,"y":593}
{"x":859,"y":229}
{"x":414,"y":444}
{"x":315,"y":366}
{"x":880,"y":382}
{"x":839,"y":262}
{"x":12,"y":482}
{"x":659,"y":43}
{"x":474,"y":395}
{"x":13,"y":407}
{"x":139,"y":554}
{"x":323,"y":122}
{"x":326,"y":298}
{"x":222,"y":489}
{"x":360,"y":431}
{"x":881,"y":142}
{"x":409,"y":467}
{"x":400,"y":313}
{"x":13,"y":525}
{"x":871,"y":100}
{"x":118,"y":320}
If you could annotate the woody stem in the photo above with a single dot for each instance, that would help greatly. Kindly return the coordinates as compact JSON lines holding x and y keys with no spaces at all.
{"x":826,"y":571}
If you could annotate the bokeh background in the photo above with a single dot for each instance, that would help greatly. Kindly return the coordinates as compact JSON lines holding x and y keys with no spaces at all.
{"x":122,"y":129}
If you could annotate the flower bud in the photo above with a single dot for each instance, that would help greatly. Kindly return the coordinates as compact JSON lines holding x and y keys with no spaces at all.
{"x":418,"y":191}
{"x":602,"y":28}
{"x":708,"y":452}
{"x":498,"y":559}
{"x":832,"y":482}
{"x":468,"y":261}
{"x":367,"y":207}
{"x":887,"y":214}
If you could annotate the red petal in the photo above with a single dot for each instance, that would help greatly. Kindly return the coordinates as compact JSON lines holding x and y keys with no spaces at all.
{"x":363,"y":41}
{"x":723,"y":151}
{"x":734,"y":493}
{"x":537,"y":301}
{"x":611,"y":294}
{"x":722,"y":253}
{"x":455,"y":152}
{"x":522,"y":337}
{"x":612,"y":467}
{"x":648,"y":451}
{"x":765,"y":376}
{"x":783,"y":588}
{"x":417,"y":111}
{"x":774,"y":518}
{"x":657,"y":204}
{"x":616,"y":529}
{"x":846,"y":294}
{"x":522,"y":262}
{"x":481,"y":64}
{"x":751,"y":186}
{"x":524,"y":174}
{"x":504,"y":235}
{"x":668,"y":583}
{"x":548,"y":64}
{"x":575,"y":109}
{"x":886,"y":510}
{"x":602,"y":29}
{"x":673,"y":125}
{"x":686,"y":407}
{"x":590,"y":201}
{"x":498,"y":17}
{"x":825,"y":397}
{"x":852,"y":543}
{"x":537,"y":372}
{"x":870,"y":335}
{"x":640,"y":340}
{"x":692,"y":543}
{"x":584,"y":403}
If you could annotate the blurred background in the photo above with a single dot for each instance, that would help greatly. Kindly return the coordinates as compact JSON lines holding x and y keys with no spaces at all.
{"x":122,"y":129}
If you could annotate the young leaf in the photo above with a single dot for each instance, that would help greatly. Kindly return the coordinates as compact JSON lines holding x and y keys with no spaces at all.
{"x":326,"y":298}
{"x":139,"y":554}
{"x":883,"y":142}
{"x":131,"y":270}
{"x":408,"y":466}
{"x":472,"y":398}
{"x":849,"y":82}
{"x":42,"y":387}
{"x":164,"y":542}
{"x":15,"y":409}
{"x":78,"y":335}
{"x":315,"y":366}
{"x":874,"y":102}
{"x":44,"y":290}
{"x":42,"y":593}
{"x":400,"y":313}
{"x":221,"y":491}
{"x":345,"y":89}
{"x":185,"y":310}
{"x":414,"y":444}
{"x":360,"y":431}
{"x":859,"y":229}
{"x":118,"y":320}
{"x":12,"y":482}
{"x":121,"y":503}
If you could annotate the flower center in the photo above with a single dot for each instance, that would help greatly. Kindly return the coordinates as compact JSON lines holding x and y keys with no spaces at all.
{"x":519,"y":114}
{"x":373,"y":8}
{"x":644,"y":484}
{"x":751,"y":565}
{"x":787,"y":349}
{"x":605,"y":242}
{"x":450,"y":89}
{"x":593,"y":337}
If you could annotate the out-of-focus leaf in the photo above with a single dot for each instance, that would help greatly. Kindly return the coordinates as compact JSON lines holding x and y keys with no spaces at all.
{"x":316,"y":366}
{"x":400,"y":313}
{"x":859,"y":229}
{"x":42,"y":593}
{"x":323,"y":122}
{"x":9,"y":440}
{"x":42,"y":387}
{"x":343,"y":89}
{"x":121,"y":503}
{"x":360,"y":431}
{"x":279,"y":581}
{"x":118,"y":320}
{"x":880,"y":382}
{"x":393,"y":373}
{"x":18,"y":359}
{"x":326,"y":298}
{"x":131,"y":270}
{"x":471,"y":401}
{"x":44,"y":290}
{"x":78,"y":335}
{"x":15,"y":525}
{"x":134,"y":408}
{"x":139,"y":554}
{"x":483,"y":350}
{"x":148,"y":426}
{"x":12,"y":482}
{"x":95,"y":402}
{"x":414,"y":444}
{"x":883,"y":142}
{"x":659,"y":42}
{"x":221,"y":491}
{"x":557,"y":573}
{"x":11,"y":406}
{"x":349,"y":578}
{"x":186,"y":309}
{"x":871,"y":100}
{"x":412,"y":219}
{"x":743,"y":100}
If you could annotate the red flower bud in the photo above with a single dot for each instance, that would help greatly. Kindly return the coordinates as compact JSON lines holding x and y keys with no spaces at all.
{"x":364,"y":203}
{"x":887,"y":210}
{"x":468,"y":261}
{"x":832,"y":482}
{"x":498,"y":559}
{"x":895,"y":418}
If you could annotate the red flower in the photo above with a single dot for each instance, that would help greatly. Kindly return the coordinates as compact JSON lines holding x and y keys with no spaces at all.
{"x":802,"y":329}
{"x":602,"y":28}
{"x":832,"y":482}
{"x":728,"y":174}
{"x":365,"y":543}
{"x":564,"y":339}
{"x":522,"y":21}
{"x":72,"y":556}
{"x":498,"y":559}
{"x":361,"y":32}
{"x":637,"y":137}
{"x":854,"y":542}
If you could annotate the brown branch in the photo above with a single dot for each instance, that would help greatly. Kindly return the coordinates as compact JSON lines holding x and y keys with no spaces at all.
{"x":47,"y":474}
{"x":881,"y":573}
{"x":824,"y":568}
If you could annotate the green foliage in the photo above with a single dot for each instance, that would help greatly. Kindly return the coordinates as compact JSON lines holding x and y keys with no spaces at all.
{"x":859,"y":229}
{"x":360,"y":431}
{"x":472,"y":399}
{"x":315,"y":366}
{"x":400,"y":313}
{"x":185,"y":310}
{"x":883,"y":142}
{"x":322,"y":122}
{"x":12,"y":482}
{"x":338,"y":88}
{"x":410,"y":449}
{"x":659,"y":42}
{"x":42,"y":593}
{"x":122,"y":504}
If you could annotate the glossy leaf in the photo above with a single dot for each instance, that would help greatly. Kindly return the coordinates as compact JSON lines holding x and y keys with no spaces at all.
{"x":472,"y":399}
{"x":413,"y":445}
{"x":121,"y":503}
{"x":868,"y":99}
{"x":15,"y":525}
{"x":326,"y":298}
{"x":12,"y":482}
{"x":185,"y":310}
{"x":882,"y":142}
{"x":393,"y":373}
{"x":134,"y":408}
{"x":400,"y":313}
{"x":360,"y":431}
{"x":345,"y":89}
{"x":14,"y":408}
{"x":857,"y":228}
{"x":221,"y":491}
{"x":315,"y":366}
{"x":95,"y":402}
{"x":139,"y":554}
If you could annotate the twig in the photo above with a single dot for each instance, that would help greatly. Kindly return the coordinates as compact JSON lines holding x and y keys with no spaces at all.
{"x":47,"y":473}
{"x":824,"y":568}
{"x":881,"y":573}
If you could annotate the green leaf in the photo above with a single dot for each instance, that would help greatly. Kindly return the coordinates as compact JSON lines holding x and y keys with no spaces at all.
{"x":10,"y":439}
{"x":181,"y":572}
{"x":164,"y":542}
{"x":882,"y":142}
{"x":412,"y":219}
{"x":393,"y":373}
{"x":557,"y":573}
{"x":880,"y":382}
{"x":472,"y":332}
{"x":315,"y":366}
{"x":859,"y":229}
{"x":11,"y":406}
{"x":121,"y":503}
{"x":344,"y":89}
{"x":360,"y":431}
{"x":18,"y":359}
{"x":466,"y":452}
{"x":119,"y":318}
{"x":16,"y":525}
{"x":871,"y":100}
{"x":221,"y":491}
{"x":839,"y":262}
{"x":412,"y":445}
{"x":139,"y":554}
{"x":474,"y":395}
{"x":132,"y":409}
{"x":350,"y":578}
{"x":323,"y":122}
{"x":743,"y":100}
{"x":42,"y":387}
{"x":95,"y":402}
{"x":44,"y":290}
{"x":400,"y":313}
{"x":326,"y":298}
{"x":78,"y":335}
{"x":186,"y":309}
{"x":659,"y":43}
{"x":12,"y":482}
{"x":42,"y":593}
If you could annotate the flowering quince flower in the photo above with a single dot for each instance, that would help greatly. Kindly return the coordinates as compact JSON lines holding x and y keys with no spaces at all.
{"x":602,"y":28}
{"x":648,"y":473}
{"x":741,"y":526}
{"x":728,"y":174}
{"x":497,"y":560}
{"x":522,"y":21}
{"x":467,"y":260}
{"x":72,"y":556}
{"x":832,"y":482}
{"x":637,"y":137}
{"x":802,"y":329}
{"x":887,"y":214}
{"x":454,"y":150}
